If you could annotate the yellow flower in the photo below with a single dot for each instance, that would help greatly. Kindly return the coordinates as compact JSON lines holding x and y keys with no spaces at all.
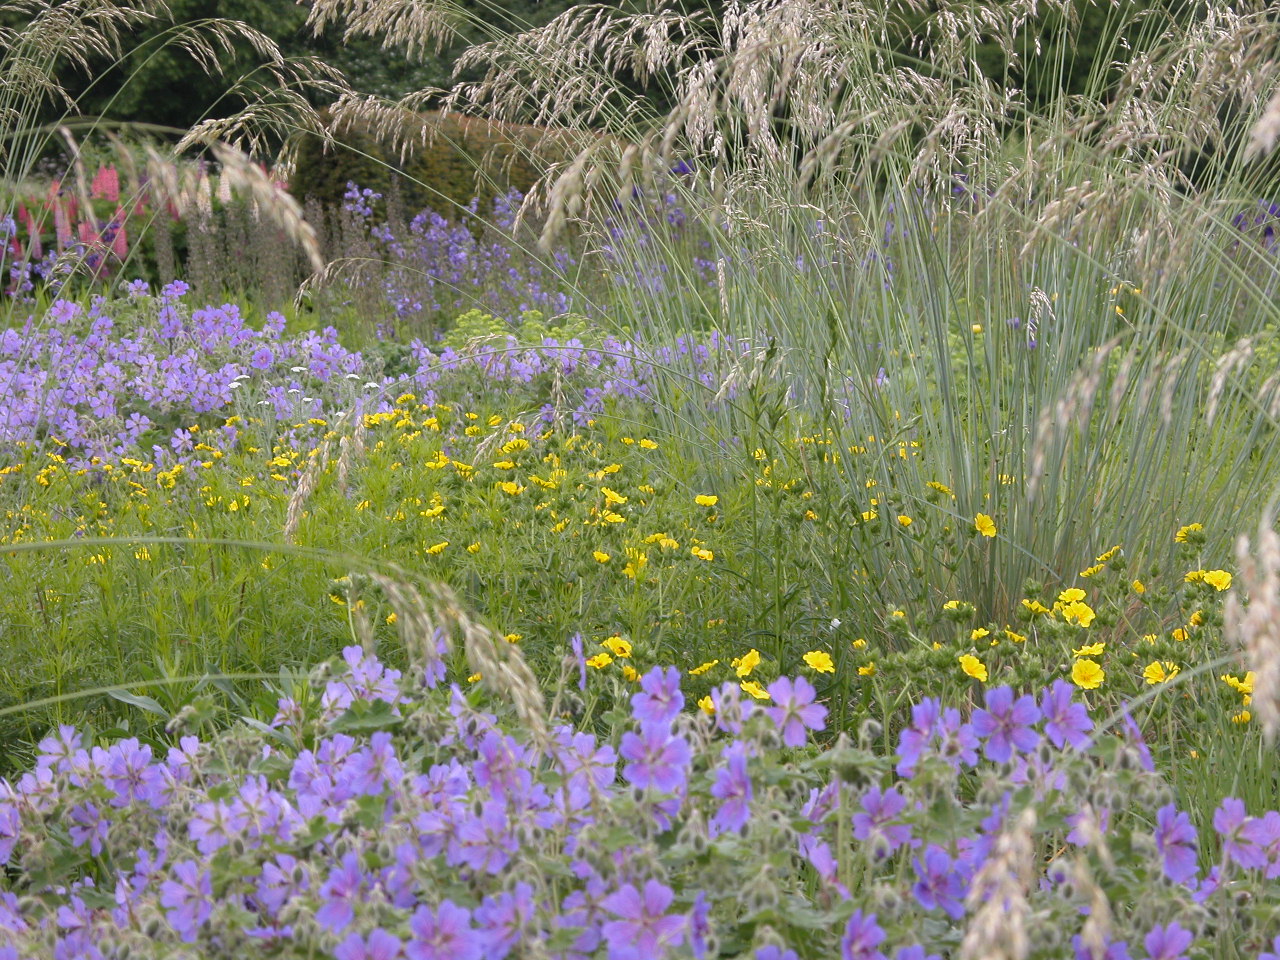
{"x":1158,"y":671}
{"x":629,"y":673}
{"x":648,"y":444}
{"x":1106,"y":557}
{"x":1081,"y":613}
{"x":1087,"y":674}
{"x":820,"y":661}
{"x":1194,"y":576}
{"x":1149,"y":638}
{"x":952,"y":605}
{"x":1139,"y":587}
{"x":859,"y":644}
{"x":473,"y":678}
{"x":1184,"y":532}
{"x":979,"y":633}
{"x":702,"y":553}
{"x":976,"y":328}
{"x":1244,"y":716}
{"x":610,"y":517}
{"x":504,"y":465}
{"x":973,"y":667}
{"x":904,"y":520}
{"x":706,"y":705}
{"x":1037,"y":608}
{"x":753,"y":688}
{"x":1091,"y":571}
{"x":600,"y":556}
{"x":510,"y":487}
{"x":1196,"y":619}
{"x":392,"y":618}
{"x":706,"y":500}
{"x":513,"y":637}
{"x":868,"y":671}
{"x":702,"y":668}
{"x":1218,"y":579}
{"x":473,"y":548}
{"x":868,"y":516}
{"x":746,"y":663}
{"x":940,"y":487}
{"x":1180,"y":635}
{"x":1071,"y":595}
{"x":617,"y":646}
{"x":436,"y":548}
{"x":1092,"y":650}
{"x":599,"y":661}
{"x":984,"y":525}
{"x":1244,"y":686}
{"x":666,"y":543}
{"x":1015,"y":637}
{"x":612,"y":496}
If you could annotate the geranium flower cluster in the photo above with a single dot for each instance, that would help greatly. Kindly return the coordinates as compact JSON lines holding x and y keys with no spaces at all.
{"x":389,"y":815}
{"x":129,"y":376}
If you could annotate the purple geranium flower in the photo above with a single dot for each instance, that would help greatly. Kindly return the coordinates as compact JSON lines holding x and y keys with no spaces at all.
{"x":733,"y":786}
{"x":187,"y":899}
{"x":1232,"y":825}
{"x":875,"y":824}
{"x":941,"y":882}
{"x":379,"y":945}
{"x":1066,"y":722}
{"x":1176,"y":841}
{"x":915,"y":739}
{"x":443,"y":934}
{"x":1112,"y":950}
{"x":862,"y":935}
{"x":343,"y":888}
{"x":644,"y":929}
{"x":658,"y":759}
{"x":795,"y":712}
{"x":1006,"y":724}
{"x":660,"y":699}
{"x":1167,"y":943}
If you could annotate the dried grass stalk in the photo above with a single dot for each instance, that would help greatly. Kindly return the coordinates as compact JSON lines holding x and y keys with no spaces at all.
{"x":1254,"y":623}
{"x":998,"y":896}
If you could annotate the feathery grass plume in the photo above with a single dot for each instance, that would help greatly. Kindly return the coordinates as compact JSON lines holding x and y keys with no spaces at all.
{"x":439,"y":614}
{"x":1095,"y":935}
{"x":1255,"y":625}
{"x":185,"y":188}
{"x":997,"y":898}
{"x":414,"y":623}
{"x":316,"y":464}
{"x":1231,"y":363}
{"x":1263,"y":136}
{"x":418,"y":27}
{"x":1073,"y":409}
